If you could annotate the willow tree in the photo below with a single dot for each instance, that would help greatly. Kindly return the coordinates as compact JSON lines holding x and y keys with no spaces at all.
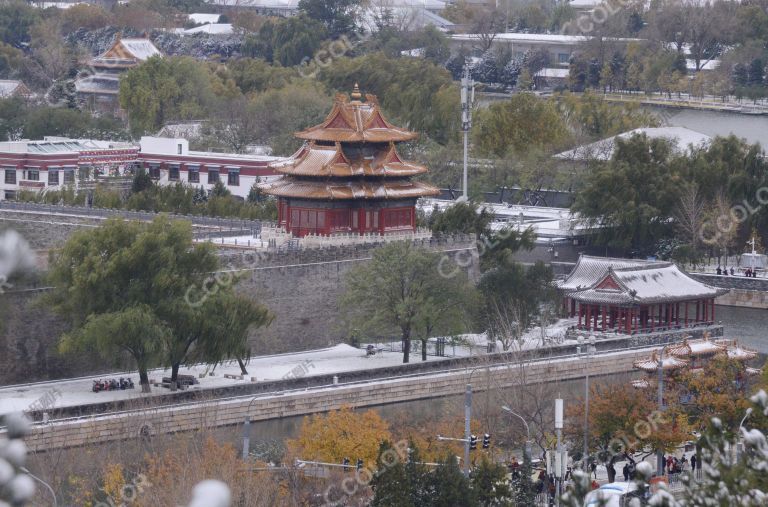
{"x":126,"y":286}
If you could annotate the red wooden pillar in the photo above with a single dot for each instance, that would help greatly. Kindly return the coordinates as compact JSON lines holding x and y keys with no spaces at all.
{"x":602,"y":311}
{"x":596,"y":311}
{"x":669,"y":314}
{"x":588,"y":321}
{"x":573,"y":307}
{"x":636,"y":317}
{"x":686,"y":313}
{"x":650,"y":313}
{"x":697,"y":311}
{"x":581,"y":311}
{"x":713,"y":309}
{"x":628,"y":314}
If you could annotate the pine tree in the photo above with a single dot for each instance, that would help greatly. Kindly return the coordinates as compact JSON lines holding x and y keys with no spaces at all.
{"x":447,"y":485}
{"x":510,"y":73}
{"x":390,"y":484}
{"x":740,"y":75}
{"x":756,"y":73}
{"x":490,"y":487}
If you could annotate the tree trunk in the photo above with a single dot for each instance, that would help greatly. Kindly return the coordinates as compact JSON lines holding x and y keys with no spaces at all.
{"x":243,"y":371}
{"x":406,"y":345}
{"x":144,"y":381}
{"x":175,"y":372}
{"x":424,"y":349}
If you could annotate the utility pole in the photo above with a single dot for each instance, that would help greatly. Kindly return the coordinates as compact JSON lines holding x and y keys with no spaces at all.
{"x":559,"y":458}
{"x":467,"y":430}
{"x":467,"y":99}
{"x":659,"y":455}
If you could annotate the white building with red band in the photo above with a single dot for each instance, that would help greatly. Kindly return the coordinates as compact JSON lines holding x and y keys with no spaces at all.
{"x":54,"y":163}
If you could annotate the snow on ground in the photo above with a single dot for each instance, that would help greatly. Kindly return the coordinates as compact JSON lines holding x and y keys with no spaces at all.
{"x":56,"y":394}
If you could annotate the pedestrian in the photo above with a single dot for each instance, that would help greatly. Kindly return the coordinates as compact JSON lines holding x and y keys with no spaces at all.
{"x":625,"y":472}
{"x":748,"y":273}
{"x":731,"y":271}
{"x":611,"y":472}
{"x":719,"y":271}
{"x":684,"y":464}
{"x":693,"y":463}
{"x":670,"y":462}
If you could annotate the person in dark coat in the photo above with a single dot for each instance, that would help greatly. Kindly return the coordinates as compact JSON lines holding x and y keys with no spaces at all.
{"x":719,"y":271}
{"x":694,"y":462}
{"x":625,"y":472}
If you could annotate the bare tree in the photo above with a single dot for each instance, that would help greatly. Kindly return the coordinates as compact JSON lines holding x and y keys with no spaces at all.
{"x":689,"y":216}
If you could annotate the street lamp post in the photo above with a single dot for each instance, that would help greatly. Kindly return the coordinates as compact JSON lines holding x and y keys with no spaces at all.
{"x":48,"y":486}
{"x":589,"y":352}
{"x":467,"y":430}
{"x":527,"y":449}
{"x":247,"y":431}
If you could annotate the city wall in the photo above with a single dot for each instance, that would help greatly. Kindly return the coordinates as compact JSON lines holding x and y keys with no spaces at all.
{"x":744,"y":292}
{"x":301,"y":288}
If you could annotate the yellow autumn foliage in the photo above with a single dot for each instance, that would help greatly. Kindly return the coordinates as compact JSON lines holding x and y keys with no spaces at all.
{"x":338,"y":434}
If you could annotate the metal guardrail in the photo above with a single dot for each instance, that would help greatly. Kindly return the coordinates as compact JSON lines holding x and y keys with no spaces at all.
{"x":199,"y":220}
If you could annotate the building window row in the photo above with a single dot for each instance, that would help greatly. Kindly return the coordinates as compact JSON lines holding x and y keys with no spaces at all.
{"x":10,"y":176}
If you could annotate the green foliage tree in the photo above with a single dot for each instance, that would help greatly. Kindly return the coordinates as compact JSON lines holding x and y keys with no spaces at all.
{"x":106,"y":276}
{"x":135,"y":329}
{"x":517,"y":125}
{"x":403,"y":287}
{"x":16,"y":20}
{"x":337,"y":16}
{"x":629,"y":200}
{"x":447,"y":485}
{"x":161,"y":89}
{"x":463,"y":217}
{"x":490,"y":486}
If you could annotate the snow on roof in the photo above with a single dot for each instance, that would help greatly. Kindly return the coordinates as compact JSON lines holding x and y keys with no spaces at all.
{"x":696,"y":347}
{"x":98,"y":83}
{"x":641,"y":384}
{"x":667,"y":363}
{"x":141,"y":49}
{"x":202,"y":18}
{"x":553,"y":73}
{"x":212,"y":28}
{"x":631,"y":281}
{"x":8,"y":87}
{"x":740,"y":353}
{"x":541,"y":38}
{"x":590,"y":269}
{"x":681,"y":137}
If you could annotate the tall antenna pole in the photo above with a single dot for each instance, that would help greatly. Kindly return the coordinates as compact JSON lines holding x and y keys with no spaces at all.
{"x":467,"y":98}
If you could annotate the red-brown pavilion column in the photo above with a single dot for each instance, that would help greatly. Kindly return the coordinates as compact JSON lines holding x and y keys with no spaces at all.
{"x":580,"y":312}
{"x":713,"y":309}
{"x":602,"y":311}
{"x":677,"y":314}
{"x":669,"y":314}
{"x":587,"y":321}
{"x":596,"y":316}
{"x":704,"y":310}
{"x":573,"y":307}
{"x":686,"y":313}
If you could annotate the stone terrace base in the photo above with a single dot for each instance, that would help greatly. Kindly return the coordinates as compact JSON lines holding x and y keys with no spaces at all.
{"x":658,"y":337}
{"x":278,"y":237}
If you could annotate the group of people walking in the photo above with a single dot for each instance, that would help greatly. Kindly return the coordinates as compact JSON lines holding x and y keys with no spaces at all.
{"x":749,"y":272}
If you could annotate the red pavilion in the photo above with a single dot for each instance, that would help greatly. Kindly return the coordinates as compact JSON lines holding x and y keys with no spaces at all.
{"x":348,"y":176}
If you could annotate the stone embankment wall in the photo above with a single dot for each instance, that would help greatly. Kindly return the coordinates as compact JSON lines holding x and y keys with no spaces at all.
{"x":151,"y":421}
{"x":745,"y":292}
